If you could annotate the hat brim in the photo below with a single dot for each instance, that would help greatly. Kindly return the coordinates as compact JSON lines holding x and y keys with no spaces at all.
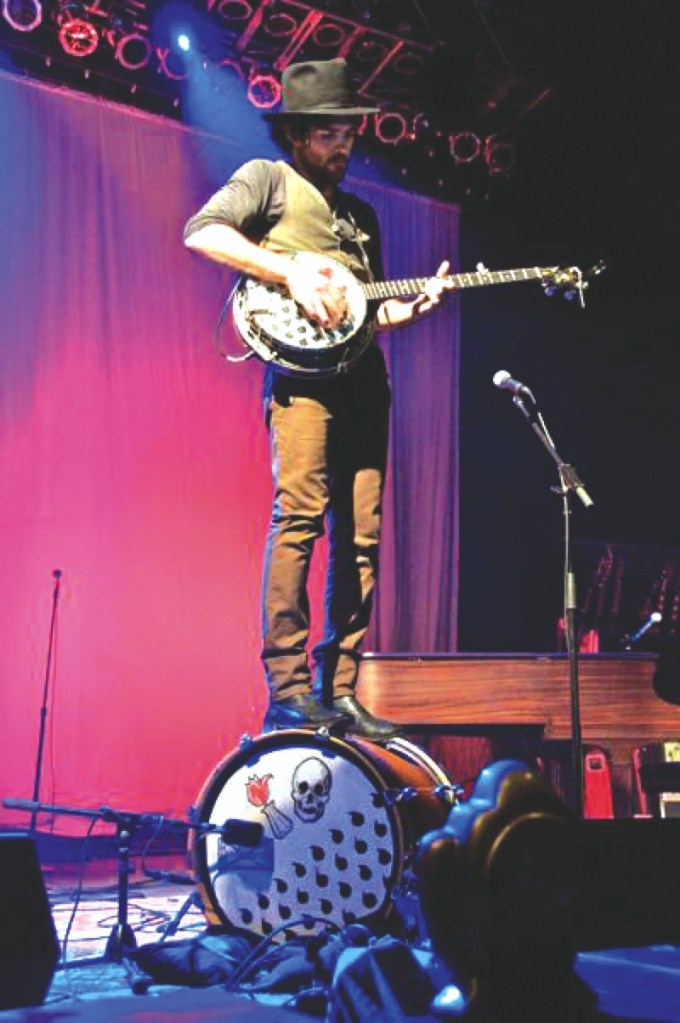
{"x":323,"y":112}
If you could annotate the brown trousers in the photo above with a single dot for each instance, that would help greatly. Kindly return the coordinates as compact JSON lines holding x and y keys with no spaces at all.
{"x":329,"y":455}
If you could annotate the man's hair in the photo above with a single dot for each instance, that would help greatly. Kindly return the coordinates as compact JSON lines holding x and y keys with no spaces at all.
{"x":283,"y":127}
{"x":299,"y":125}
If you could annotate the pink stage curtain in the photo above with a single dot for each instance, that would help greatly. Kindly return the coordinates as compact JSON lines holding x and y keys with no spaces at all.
{"x":134,"y":460}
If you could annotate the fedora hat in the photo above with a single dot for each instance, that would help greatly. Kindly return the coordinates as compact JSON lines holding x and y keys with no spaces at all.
{"x":318,"y":88}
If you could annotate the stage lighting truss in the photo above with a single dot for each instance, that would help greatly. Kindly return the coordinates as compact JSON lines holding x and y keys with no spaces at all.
{"x":258,"y":39}
{"x":384,"y":66}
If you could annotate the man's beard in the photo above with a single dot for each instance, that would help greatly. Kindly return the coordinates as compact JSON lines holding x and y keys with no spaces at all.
{"x":336,"y":169}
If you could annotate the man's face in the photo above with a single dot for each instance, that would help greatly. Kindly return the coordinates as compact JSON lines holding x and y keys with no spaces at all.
{"x":324,"y":152}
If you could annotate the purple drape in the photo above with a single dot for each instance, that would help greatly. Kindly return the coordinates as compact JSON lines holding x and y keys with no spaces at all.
{"x":134,"y":460}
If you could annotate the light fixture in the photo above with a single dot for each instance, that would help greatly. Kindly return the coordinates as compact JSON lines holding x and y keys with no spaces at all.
{"x":391,"y":127}
{"x":464,"y":146}
{"x":171,"y":64}
{"x":133,"y":51}
{"x":264,"y":91}
{"x":22,"y":15}
{"x":500,"y":157}
{"x":232,"y":10}
{"x":279,"y":24}
{"x":77,"y":36}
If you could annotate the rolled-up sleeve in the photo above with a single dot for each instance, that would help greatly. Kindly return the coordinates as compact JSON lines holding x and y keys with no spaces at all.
{"x":250,"y":201}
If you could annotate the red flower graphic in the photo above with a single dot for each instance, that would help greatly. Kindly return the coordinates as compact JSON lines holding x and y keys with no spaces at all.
{"x":257,"y":790}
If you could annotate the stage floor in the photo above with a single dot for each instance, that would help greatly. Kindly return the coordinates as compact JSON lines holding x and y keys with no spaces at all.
{"x":632,"y":984}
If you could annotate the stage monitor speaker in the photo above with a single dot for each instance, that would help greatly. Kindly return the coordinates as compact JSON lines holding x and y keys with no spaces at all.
{"x":29,"y":950}
{"x":630,"y":883}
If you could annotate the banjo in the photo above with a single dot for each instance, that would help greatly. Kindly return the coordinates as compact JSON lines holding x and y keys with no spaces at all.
{"x":274,"y":328}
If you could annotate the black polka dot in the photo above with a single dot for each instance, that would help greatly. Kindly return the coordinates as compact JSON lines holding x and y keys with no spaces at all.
{"x":380,"y":829}
{"x":337,"y":836}
{"x":303,"y":897}
{"x":357,"y":818}
{"x":300,"y":869}
{"x":246,"y":916}
{"x":263,"y":902}
{"x":384,"y":856}
{"x":341,"y":862}
{"x":369,"y":900}
{"x":321,"y":879}
{"x":365,"y":873}
{"x":318,"y":853}
{"x":281,"y":885}
{"x":361,"y":846}
{"x":326,"y":907}
{"x":285,"y":912}
{"x":345,"y":889}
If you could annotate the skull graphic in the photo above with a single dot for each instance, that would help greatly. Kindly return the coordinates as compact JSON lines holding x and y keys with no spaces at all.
{"x":311,"y":789}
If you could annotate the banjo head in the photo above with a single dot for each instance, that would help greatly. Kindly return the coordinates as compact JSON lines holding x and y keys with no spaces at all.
{"x":271,"y":323}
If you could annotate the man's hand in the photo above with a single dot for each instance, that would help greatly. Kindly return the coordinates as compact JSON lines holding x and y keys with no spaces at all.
{"x":434,"y":290}
{"x":323,"y":301}
{"x":396,"y":312}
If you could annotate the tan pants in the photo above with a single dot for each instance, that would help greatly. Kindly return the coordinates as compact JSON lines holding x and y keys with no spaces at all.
{"x":328,"y":461}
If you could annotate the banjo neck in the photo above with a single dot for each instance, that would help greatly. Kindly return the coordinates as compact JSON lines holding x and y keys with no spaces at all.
{"x":474,"y":279}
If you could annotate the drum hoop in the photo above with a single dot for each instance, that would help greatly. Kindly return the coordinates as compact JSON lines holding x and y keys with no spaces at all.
{"x":415,"y":754}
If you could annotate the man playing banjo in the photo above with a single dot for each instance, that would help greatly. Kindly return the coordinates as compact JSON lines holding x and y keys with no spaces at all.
{"x":329,"y":430}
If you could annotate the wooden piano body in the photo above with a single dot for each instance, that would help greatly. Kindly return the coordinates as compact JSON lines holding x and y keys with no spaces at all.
{"x":504,"y":699}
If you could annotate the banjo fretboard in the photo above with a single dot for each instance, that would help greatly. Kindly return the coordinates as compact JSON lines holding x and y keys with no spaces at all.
{"x":475,"y":279}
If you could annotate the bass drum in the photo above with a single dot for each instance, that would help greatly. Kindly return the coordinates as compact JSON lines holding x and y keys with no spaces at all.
{"x":339,"y":820}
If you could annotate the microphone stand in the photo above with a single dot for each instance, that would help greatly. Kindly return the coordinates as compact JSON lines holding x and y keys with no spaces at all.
{"x":569,"y":483}
{"x":121,"y":943}
{"x":43,"y":709}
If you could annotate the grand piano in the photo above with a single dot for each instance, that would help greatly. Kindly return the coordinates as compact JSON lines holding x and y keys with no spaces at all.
{"x":470,"y":707}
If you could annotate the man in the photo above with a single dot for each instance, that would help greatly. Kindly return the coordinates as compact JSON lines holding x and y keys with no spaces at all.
{"x":328,"y":436}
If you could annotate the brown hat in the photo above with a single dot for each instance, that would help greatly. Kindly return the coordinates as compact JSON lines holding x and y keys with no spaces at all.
{"x":318,"y":88}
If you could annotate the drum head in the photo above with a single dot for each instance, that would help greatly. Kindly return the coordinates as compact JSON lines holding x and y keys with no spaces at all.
{"x":331,"y":846}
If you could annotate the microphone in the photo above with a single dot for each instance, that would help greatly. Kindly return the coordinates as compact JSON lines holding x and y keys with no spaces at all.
{"x":503,"y":380}
{"x":654,"y":618}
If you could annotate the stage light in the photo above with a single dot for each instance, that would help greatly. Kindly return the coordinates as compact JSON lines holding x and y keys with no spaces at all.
{"x":232,"y":10}
{"x":77,"y":36}
{"x":264,"y":91}
{"x":465,"y":146}
{"x":500,"y":157}
{"x":22,"y":15}
{"x":391,"y":127}
{"x":233,"y":65}
{"x":329,"y":35}
{"x":184,"y":42}
{"x":133,"y":51}
{"x":279,"y":24}
{"x":171,"y":65}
